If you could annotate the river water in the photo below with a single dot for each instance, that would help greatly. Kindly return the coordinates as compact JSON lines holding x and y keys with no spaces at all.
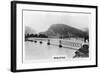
{"x":37,"y":51}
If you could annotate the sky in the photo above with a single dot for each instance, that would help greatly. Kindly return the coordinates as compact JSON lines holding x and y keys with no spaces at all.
{"x":40,"y":21}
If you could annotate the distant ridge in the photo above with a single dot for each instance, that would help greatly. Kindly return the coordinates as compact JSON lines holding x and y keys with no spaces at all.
{"x":29,"y":30}
{"x":63,"y":30}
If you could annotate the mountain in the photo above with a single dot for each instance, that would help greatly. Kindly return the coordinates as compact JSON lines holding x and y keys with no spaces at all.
{"x":29,"y":30}
{"x":62,"y":30}
{"x":86,"y":30}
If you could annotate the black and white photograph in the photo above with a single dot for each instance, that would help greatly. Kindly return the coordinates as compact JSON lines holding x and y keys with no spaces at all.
{"x":47,"y":36}
{"x":56,"y":35}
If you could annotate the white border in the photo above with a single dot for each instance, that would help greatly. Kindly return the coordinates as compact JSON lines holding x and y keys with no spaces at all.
{"x":76,"y":62}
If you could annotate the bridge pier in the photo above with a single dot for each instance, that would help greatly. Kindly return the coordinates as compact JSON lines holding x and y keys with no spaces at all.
{"x":60,"y":45}
{"x":48,"y":42}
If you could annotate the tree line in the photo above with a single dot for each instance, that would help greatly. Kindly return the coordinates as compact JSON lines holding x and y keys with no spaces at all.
{"x":36,"y":35}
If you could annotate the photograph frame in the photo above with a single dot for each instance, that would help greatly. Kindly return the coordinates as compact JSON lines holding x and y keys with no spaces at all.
{"x":14,"y":34}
